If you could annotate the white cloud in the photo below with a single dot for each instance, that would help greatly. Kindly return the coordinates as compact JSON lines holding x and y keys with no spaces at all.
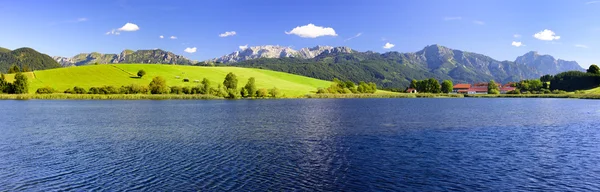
{"x":312,"y":31}
{"x":546,"y":35}
{"x":242,"y":47}
{"x":592,"y":2}
{"x":161,"y":36}
{"x":517,"y":43}
{"x":452,"y":18}
{"x":82,"y":19}
{"x":357,"y":35}
{"x":172,"y":37}
{"x":190,"y":50}
{"x":129,"y":27}
{"x":517,"y":35}
{"x":479,"y":22}
{"x":581,"y":46}
{"x":388,"y":45}
{"x":227,"y":34}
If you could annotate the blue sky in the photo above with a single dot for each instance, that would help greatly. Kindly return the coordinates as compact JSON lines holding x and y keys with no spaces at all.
{"x":68,"y":27}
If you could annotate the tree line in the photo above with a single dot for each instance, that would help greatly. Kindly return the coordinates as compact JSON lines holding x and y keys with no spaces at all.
{"x":348,"y":87}
{"x":158,"y":85}
{"x":431,"y":85}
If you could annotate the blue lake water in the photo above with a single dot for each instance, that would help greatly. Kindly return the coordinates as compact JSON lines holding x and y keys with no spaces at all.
{"x":301,"y":145}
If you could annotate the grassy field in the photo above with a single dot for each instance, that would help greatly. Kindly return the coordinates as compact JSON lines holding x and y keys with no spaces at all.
{"x":124,"y":74}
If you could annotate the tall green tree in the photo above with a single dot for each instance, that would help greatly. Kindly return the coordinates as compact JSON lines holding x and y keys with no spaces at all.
{"x":230,"y":81}
{"x":413,"y":84}
{"x":205,"y":86}
{"x":20,"y":86}
{"x":493,"y":88}
{"x":158,"y":85}
{"x":594,"y":69}
{"x":447,"y":86}
{"x":250,"y":87}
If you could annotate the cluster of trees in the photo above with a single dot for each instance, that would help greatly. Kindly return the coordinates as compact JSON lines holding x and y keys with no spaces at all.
{"x":348,"y":87}
{"x":575,"y":80}
{"x":432,"y":85}
{"x":19,"y":86}
{"x":158,"y":85}
{"x":16,"y":69}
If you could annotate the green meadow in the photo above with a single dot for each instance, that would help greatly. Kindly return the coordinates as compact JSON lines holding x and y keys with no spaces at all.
{"x":125,"y":74}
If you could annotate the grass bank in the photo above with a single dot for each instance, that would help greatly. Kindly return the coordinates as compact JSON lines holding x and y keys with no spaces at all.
{"x":383,"y":95}
{"x":573,"y":96}
{"x":61,"y":96}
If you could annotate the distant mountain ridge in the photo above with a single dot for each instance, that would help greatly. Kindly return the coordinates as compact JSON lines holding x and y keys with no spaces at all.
{"x":276,"y":51}
{"x":156,"y":56}
{"x":27,"y":58}
{"x":547,"y":64}
{"x":394,"y":69}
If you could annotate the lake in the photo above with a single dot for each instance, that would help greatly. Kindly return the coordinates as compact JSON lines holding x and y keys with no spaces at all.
{"x":301,"y":145}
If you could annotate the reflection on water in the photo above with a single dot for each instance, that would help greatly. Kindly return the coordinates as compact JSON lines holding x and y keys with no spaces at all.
{"x":308,"y":145}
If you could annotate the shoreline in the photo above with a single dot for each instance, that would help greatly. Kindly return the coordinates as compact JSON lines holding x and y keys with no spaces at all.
{"x":63,"y":96}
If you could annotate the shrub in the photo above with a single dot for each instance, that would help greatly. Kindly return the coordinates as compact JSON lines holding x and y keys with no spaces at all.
{"x":262,"y":93}
{"x":158,"y":86}
{"x":274,"y":92}
{"x":45,"y":90}
{"x":176,"y":90}
{"x":79,"y":90}
{"x":186,"y":80}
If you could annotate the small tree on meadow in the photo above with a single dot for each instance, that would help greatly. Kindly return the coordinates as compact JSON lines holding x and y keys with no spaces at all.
{"x":141,"y":73}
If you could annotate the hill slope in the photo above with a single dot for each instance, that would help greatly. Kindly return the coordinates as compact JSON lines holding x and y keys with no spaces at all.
{"x":25,"y":57}
{"x":123,"y":74}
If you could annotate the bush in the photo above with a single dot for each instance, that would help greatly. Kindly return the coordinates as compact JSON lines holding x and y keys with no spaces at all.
{"x":45,"y":90}
{"x":176,"y":90}
{"x":274,"y":92}
{"x":79,"y":90}
{"x":579,"y":92}
{"x":134,"y":89}
{"x":158,"y":86}
{"x":556,"y":91}
{"x":514,"y":92}
{"x":262,"y":93}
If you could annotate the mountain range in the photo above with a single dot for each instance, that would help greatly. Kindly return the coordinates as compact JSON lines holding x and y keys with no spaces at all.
{"x":274,"y":51}
{"x":394,"y":69}
{"x":156,"y":56}
{"x":388,"y":70}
